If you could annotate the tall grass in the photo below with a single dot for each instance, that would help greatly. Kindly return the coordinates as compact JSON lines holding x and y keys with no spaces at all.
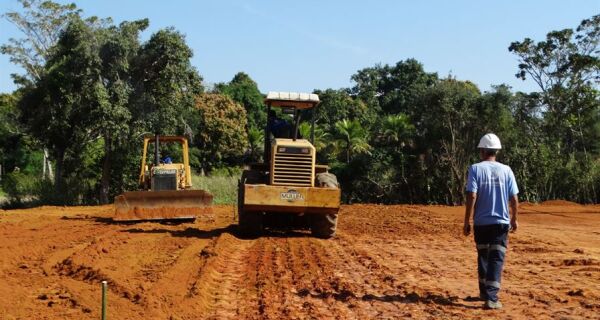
{"x":2,"y":197}
{"x":223,"y":187}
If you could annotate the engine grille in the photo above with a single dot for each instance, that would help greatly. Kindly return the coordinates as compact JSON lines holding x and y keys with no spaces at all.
{"x":293,"y":169}
{"x":164,"y":181}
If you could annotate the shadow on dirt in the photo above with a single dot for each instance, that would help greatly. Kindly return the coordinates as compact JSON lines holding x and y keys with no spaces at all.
{"x":103,"y":220}
{"x":270,"y":232}
{"x":285,"y":233}
{"x":231,"y":229}
{"x":108,"y":220}
{"x":274,"y":230}
{"x":528,"y":211}
{"x":188,"y":232}
{"x":411,"y":297}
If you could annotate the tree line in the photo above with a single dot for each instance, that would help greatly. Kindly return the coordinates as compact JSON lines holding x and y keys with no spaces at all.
{"x":71,"y":132}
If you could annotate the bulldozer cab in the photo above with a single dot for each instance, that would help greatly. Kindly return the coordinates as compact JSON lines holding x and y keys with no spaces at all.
{"x":162,"y":173}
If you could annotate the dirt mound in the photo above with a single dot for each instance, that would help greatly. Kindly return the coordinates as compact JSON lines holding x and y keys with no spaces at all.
{"x":559,"y":203}
{"x":387,"y":262}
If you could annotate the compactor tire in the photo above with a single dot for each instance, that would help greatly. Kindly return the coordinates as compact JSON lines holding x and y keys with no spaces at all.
{"x":324,"y":225}
{"x":250,"y":224}
{"x":327,"y":180}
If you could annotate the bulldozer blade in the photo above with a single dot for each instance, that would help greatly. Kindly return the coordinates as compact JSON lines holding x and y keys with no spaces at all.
{"x":162,"y":205}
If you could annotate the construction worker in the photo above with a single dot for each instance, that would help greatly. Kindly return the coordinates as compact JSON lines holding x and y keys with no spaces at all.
{"x":491,"y":187}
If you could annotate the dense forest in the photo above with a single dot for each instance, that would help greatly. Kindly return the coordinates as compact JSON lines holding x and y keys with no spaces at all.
{"x":71,"y":132}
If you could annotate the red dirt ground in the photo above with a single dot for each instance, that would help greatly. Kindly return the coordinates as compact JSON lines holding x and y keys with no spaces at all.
{"x":387,"y":262}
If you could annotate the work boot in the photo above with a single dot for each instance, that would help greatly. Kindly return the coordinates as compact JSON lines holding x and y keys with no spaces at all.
{"x":489,"y":304}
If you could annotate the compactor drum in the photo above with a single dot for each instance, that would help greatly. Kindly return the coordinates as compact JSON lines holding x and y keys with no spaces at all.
{"x":289,"y":186}
{"x":166,"y":192}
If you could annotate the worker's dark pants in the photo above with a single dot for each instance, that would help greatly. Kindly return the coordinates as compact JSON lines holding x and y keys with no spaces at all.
{"x":491,"y":243}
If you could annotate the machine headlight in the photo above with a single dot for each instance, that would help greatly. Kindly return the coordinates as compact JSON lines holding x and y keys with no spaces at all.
{"x":293,"y":150}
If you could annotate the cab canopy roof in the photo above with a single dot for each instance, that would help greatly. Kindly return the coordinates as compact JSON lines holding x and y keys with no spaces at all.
{"x":292,"y":100}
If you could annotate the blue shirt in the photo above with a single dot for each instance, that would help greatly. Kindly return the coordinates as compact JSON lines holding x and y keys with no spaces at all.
{"x":494,"y":183}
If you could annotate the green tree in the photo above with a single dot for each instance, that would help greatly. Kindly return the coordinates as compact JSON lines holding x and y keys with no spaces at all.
{"x":393,"y":89}
{"x":395,"y":134}
{"x":256,"y":146}
{"x":566,"y":68}
{"x":222,"y":137}
{"x":9,"y":122}
{"x":397,"y":130}
{"x":119,"y":48}
{"x":165,"y":83}
{"x":337,"y":105}
{"x":352,"y":139}
{"x":450,"y":134}
{"x":17,"y":150}
{"x":41,"y":22}
{"x":321,"y":137}
{"x":57,"y":109}
{"x":242,"y":89}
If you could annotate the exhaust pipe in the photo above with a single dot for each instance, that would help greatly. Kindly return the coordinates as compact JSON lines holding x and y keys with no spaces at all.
{"x":156,"y":148}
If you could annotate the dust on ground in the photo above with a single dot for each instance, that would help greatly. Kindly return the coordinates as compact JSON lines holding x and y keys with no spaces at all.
{"x":387,"y":262}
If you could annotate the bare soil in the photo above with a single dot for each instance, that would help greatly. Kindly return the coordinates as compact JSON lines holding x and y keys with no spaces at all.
{"x":387,"y":262}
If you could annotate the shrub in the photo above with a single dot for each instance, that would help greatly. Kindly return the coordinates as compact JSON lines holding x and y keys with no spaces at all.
{"x":19,"y":188}
{"x":222,"y":186}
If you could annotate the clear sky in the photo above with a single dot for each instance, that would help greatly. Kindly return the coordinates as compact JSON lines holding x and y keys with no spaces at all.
{"x":310,"y":44}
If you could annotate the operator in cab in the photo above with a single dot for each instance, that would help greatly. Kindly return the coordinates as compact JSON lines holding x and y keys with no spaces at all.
{"x":279,"y":128}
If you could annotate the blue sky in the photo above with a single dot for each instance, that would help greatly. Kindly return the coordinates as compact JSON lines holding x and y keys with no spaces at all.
{"x":306,"y":45}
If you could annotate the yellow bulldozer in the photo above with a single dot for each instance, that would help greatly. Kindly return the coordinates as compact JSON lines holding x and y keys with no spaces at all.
{"x":165,"y":188}
{"x":288,"y":189}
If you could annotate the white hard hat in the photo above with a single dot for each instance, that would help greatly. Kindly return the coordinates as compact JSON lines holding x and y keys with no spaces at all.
{"x":490,"y":141}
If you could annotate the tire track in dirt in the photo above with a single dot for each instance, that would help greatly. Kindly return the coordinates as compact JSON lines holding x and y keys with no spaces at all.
{"x":290,"y":278}
{"x":287,"y":272}
{"x":337,"y":286}
{"x":160,"y":284}
{"x":270,"y":268}
{"x":388,"y":285}
{"x":357,"y":282}
{"x":176,"y":282}
{"x":220,"y":285}
{"x":307,"y":278}
{"x":293,"y":302}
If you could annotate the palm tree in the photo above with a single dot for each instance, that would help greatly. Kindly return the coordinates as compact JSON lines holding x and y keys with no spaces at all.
{"x":397,"y":130}
{"x":255,"y":143}
{"x":352,"y":137}
{"x":321,"y":137}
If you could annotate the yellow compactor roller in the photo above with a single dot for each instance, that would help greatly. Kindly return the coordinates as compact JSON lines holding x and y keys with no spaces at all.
{"x":165,"y":189}
{"x":288,"y":189}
